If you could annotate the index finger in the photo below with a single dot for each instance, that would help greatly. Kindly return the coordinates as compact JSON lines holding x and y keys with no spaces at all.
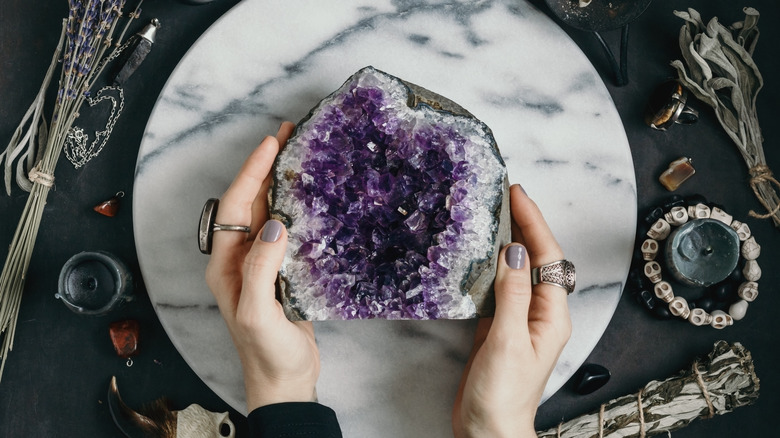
{"x":549,"y":323}
{"x":530,"y":228}
{"x":236,"y":205}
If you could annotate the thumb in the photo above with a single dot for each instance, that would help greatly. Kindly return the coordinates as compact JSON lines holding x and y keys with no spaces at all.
{"x":261,"y":266}
{"x":513,"y":292}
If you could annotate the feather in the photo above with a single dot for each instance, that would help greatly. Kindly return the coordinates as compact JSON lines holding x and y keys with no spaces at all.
{"x":156,"y":421}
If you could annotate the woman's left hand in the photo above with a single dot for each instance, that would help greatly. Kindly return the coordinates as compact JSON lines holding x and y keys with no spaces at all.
{"x":280,"y":359}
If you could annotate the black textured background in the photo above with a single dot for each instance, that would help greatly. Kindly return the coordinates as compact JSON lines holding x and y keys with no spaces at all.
{"x":58,"y":373}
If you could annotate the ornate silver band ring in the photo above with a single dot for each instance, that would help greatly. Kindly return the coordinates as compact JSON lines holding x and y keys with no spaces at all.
{"x":560,"y":273}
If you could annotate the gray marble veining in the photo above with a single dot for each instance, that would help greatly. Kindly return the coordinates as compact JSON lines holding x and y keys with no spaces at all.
{"x":269,"y":60}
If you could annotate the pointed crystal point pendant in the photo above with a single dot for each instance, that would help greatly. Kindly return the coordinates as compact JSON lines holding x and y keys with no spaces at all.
{"x":109,"y":207}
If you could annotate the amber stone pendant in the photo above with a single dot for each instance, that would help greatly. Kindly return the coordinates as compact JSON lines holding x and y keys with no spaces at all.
{"x":124,"y":336}
{"x":109,"y":207}
{"x":678,"y":172}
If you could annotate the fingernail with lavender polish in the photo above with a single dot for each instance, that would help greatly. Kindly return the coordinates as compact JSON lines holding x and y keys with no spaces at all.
{"x":515,"y":256}
{"x":271,"y":231}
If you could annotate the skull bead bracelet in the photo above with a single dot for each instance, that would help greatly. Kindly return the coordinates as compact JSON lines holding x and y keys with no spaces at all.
{"x":704,"y":245}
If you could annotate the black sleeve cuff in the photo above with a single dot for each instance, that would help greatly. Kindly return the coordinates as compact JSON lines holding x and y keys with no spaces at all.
{"x":298,"y":419}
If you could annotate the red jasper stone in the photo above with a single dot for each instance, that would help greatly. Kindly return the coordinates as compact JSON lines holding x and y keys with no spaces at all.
{"x":109,"y":207}
{"x":124,"y":336}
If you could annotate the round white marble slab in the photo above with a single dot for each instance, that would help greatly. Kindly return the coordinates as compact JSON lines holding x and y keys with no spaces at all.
{"x":272,"y":60}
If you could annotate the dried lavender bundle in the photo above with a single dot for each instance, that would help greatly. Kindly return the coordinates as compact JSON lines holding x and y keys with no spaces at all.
{"x":724,"y":381}
{"x":86,"y":38}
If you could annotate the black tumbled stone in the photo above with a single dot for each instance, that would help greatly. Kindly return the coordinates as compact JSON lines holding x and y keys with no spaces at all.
{"x":706,"y":304}
{"x":641,"y":232}
{"x":590,"y":377}
{"x":695,"y":199}
{"x":722,"y":291}
{"x":736,"y":275}
{"x":646,"y":299}
{"x":654,"y":215}
{"x":662,"y":312}
{"x":674,"y":201}
{"x":637,"y":258}
{"x":636,"y":279}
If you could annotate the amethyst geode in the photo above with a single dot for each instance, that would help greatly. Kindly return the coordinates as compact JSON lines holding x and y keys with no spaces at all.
{"x":396,"y":202}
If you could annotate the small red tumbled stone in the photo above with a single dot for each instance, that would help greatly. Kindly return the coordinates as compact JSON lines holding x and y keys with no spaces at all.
{"x":124,"y":336}
{"x":108,"y":208}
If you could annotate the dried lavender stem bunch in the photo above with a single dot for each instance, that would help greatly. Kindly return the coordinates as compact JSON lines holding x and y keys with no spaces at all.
{"x":86,"y":38}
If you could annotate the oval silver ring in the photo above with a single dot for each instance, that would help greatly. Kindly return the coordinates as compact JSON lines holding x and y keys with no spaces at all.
{"x":222,"y":227}
{"x":207,"y":226}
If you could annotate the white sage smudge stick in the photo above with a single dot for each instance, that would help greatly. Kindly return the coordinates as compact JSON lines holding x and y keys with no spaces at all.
{"x":724,"y":381}
{"x":718,"y":68}
{"x":86,"y":38}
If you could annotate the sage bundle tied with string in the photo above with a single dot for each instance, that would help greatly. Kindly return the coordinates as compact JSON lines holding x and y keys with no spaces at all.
{"x":718,"y":68}
{"x":724,"y":381}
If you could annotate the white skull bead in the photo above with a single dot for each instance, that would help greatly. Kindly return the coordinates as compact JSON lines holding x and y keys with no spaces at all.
{"x":660,"y":230}
{"x":748,"y":291}
{"x":698,"y":211}
{"x":679,"y":307}
{"x":721,"y":215}
{"x":649,"y":249}
{"x":750,"y":249}
{"x":653,"y":271}
{"x":742,"y":229}
{"x":738,"y":310}
{"x":721,"y":319}
{"x":677,"y":216}
{"x":699,"y":317}
{"x":751,"y":271}
{"x":663,"y":290}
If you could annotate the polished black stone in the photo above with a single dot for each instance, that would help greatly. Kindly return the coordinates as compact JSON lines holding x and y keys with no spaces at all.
{"x":636,"y":279}
{"x":723,"y":291}
{"x":641,"y":232}
{"x":590,"y":377}
{"x":662,"y":312}
{"x":707,"y":304}
{"x":646,"y":299}
{"x":736,"y":275}
{"x":695,"y":199}
{"x":654,"y":215}
{"x":674,"y":201}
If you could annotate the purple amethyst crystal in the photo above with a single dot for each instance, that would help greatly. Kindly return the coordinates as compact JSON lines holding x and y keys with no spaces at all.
{"x":396,"y":203}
